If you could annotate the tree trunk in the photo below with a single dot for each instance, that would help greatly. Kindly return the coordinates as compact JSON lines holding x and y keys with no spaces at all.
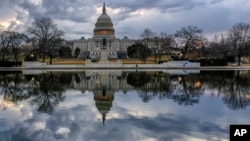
{"x":43,"y":58}
{"x":16,"y":61}
{"x":160,"y":56}
{"x":50,"y":59}
{"x":184,"y":54}
{"x":15,"y":54}
{"x":239,"y":60}
{"x":156,"y":59}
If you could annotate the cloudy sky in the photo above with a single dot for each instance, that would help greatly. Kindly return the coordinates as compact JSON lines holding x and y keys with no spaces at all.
{"x":130,"y":17}
{"x":77,"y":119}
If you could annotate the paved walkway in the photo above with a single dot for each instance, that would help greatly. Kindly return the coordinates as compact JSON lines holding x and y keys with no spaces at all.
{"x":78,"y":67}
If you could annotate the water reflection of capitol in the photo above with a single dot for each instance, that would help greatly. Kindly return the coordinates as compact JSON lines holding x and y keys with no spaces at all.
{"x":103,"y":84}
{"x":45,"y":85}
{"x":97,"y":80}
{"x":46,"y":89}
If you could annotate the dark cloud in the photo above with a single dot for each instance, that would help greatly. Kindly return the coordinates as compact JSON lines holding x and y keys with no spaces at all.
{"x":129,"y":17}
{"x":34,"y":10}
{"x":74,"y":10}
{"x":164,"y":5}
{"x":80,"y":11}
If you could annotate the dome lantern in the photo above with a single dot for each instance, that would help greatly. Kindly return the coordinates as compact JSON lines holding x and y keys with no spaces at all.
{"x":104,"y":9}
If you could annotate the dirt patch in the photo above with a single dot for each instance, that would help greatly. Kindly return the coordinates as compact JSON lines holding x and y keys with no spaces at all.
{"x":65,"y":61}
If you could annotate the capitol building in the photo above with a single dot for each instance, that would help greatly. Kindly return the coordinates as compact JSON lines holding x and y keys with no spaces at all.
{"x":103,"y":38}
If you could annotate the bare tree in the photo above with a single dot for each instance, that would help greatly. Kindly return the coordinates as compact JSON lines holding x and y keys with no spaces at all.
{"x":156,"y":48}
{"x":17,"y":41}
{"x":239,"y":36}
{"x":4,"y":44}
{"x":46,"y":31}
{"x":220,"y":46}
{"x":161,"y":44}
{"x":1,"y":30}
{"x":166,"y":43}
{"x":53,"y":46}
{"x":188,"y":38}
{"x":147,"y":38}
{"x":11,"y":41}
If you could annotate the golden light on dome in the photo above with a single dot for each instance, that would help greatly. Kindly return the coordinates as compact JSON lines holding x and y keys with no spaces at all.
{"x":104,"y":32}
{"x":104,"y":98}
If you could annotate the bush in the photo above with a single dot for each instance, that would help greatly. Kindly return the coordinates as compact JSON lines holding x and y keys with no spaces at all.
{"x":178,"y":58}
{"x":30,"y":57}
{"x":162,"y":61}
{"x":10,"y":63}
{"x":193,"y":61}
{"x":65,"y":52}
{"x":231,"y":58}
{"x":213,"y":62}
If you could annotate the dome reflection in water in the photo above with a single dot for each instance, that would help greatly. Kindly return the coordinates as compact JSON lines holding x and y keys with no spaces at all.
{"x":133,"y":105}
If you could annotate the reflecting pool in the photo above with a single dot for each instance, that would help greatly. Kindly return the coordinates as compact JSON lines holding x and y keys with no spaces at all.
{"x":130,"y":105}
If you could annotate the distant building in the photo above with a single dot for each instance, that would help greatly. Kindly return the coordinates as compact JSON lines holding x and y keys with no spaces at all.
{"x":103,"y":37}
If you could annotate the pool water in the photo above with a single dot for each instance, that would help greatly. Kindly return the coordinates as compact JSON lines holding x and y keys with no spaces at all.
{"x":111,"y":105}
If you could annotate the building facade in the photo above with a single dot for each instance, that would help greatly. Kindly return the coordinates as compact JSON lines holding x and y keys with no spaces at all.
{"x":103,"y":38}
